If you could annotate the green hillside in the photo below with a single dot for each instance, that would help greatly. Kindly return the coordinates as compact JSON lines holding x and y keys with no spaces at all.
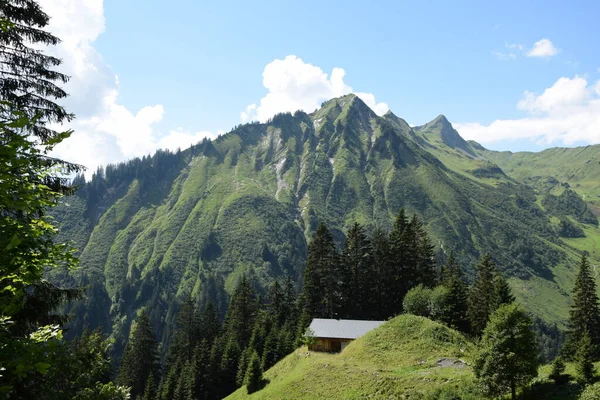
{"x":153,"y":231}
{"x":408,"y":357}
{"x":400,"y":359}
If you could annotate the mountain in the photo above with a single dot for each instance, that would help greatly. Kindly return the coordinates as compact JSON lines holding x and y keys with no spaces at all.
{"x":152,"y":231}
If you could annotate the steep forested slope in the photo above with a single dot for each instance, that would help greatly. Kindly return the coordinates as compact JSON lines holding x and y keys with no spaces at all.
{"x":152,"y":231}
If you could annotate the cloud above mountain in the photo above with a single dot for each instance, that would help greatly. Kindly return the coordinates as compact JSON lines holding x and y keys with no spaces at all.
{"x":567,"y":113}
{"x":105,"y":131}
{"x":293,"y":84}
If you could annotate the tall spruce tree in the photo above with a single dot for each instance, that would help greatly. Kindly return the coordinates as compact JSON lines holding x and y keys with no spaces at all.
{"x":140,"y":358}
{"x":239,"y":320}
{"x":321,"y":282}
{"x":210,"y":323}
{"x":585,"y":313}
{"x":423,"y":250}
{"x":357,"y":259}
{"x":28,"y":79}
{"x":502,"y":291}
{"x":481,"y":297}
{"x":584,"y":360}
{"x":253,"y":378}
{"x":401,"y":258}
{"x":187,"y":332}
{"x":383,"y":293}
{"x":457,"y":306}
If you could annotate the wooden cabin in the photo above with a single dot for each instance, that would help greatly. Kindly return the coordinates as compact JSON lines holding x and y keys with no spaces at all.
{"x":333,"y":335}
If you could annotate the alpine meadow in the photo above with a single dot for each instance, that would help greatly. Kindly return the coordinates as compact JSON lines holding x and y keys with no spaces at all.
{"x":225,"y":269}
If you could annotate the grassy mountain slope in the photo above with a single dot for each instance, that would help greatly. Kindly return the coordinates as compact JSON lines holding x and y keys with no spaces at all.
{"x":397,"y":360}
{"x":153,"y":231}
{"x":407,"y":357}
{"x":554,"y":170}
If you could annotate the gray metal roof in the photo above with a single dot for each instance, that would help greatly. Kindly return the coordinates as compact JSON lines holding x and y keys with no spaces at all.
{"x":341,"y":328}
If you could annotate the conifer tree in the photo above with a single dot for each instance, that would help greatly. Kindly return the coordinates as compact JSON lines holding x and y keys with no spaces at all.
{"x":28,"y":79}
{"x":481,"y":298}
{"x":204,"y":372}
{"x":229,"y":367}
{"x":150,"y":390}
{"x":584,"y":315}
{"x":502,"y":291}
{"x":168,"y":385}
{"x":243,"y":366}
{"x":210,"y":324}
{"x":253,"y":379}
{"x":275,"y":302}
{"x":457,"y":306}
{"x":584,"y":360}
{"x":290,"y":309}
{"x":357,"y":259}
{"x":140,"y":358}
{"x":558,"y":371}
{"x":425,"y":271}
{"x":383,"y":293}
{"x":269,"y":354}
{"x":187,"y":332}
{"x":321,"y":290}
{"x":239,"y":320}
{"x":401,"y":259}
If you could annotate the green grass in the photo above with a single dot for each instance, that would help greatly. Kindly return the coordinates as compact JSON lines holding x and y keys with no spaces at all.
{"x":397,"y":360}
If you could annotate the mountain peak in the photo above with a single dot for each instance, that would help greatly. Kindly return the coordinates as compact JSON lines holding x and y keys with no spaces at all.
{"x":442,"y":127}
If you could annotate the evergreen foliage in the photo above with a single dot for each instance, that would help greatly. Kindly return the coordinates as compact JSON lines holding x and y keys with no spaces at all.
{"x":584,"y":360}
{"x":585,"y":313}
{"x":321,"y":291}
{"x":508,"y":358}
{"x":457,"y":305}
{"x":35,"y":361}
{"x":558,"y":372}
{"x":482,"y":301}
{"x":502,"y":292}
{"x":28,"y":79}
{"x":253,"y":378}
{"x":357,"y":263}
{"x":140,"y":358}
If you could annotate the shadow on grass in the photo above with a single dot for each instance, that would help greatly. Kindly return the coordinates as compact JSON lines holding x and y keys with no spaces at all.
{"x":550,"y":391}
{"x":260,"y":386}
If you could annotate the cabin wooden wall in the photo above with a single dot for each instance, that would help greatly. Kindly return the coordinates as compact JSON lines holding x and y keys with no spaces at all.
{"x":328,"y":345}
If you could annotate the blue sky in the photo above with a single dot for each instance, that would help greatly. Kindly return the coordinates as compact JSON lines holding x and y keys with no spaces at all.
{"x":193,"y":67}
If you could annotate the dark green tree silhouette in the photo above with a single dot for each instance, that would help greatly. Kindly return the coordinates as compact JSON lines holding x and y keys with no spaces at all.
{"x":29,"y":80}
{"x":140,"y":358}
{"x":585,"y":314}
{"x":509,"y":352}
{"x":321,"y":282}
{"x":481,"y":297}
{"x":253,"y":379}
{"x":584,"y":360}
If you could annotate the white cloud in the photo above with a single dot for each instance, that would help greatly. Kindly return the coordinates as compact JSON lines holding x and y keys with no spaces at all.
{"x":294,"y":85}
{"x":566,"y":113}
{"x":104,"y":130}
{"x":542,"y":48}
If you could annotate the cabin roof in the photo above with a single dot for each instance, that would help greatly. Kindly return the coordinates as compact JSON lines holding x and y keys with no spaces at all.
{"x":341,"y":328}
